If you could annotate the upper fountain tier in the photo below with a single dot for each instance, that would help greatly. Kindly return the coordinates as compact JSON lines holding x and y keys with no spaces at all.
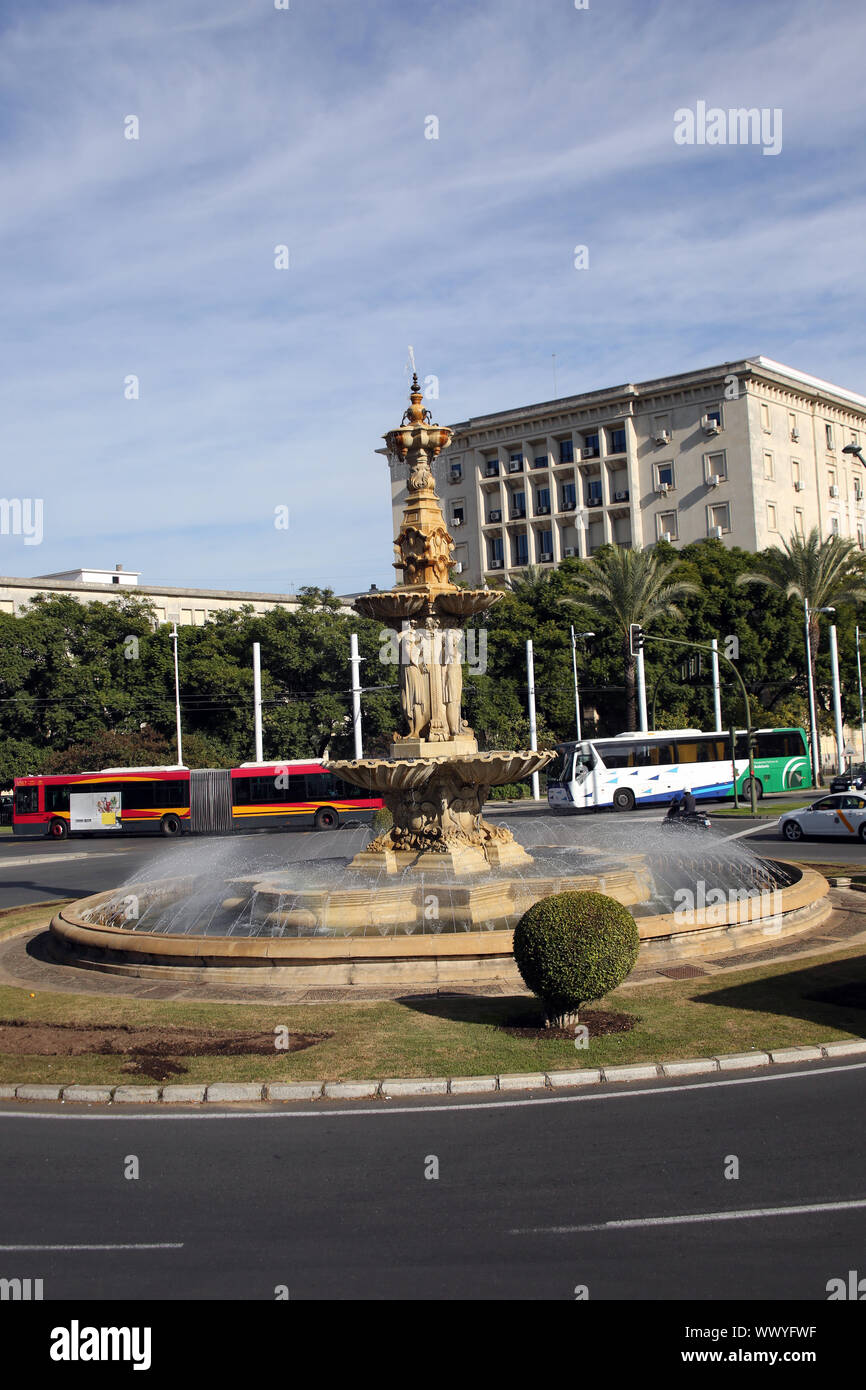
{"x":423,"y":546}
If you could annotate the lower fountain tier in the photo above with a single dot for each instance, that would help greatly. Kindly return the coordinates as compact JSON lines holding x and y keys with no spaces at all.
{"x":431,"y":905}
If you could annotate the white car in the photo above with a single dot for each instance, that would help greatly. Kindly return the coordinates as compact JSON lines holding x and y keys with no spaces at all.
{"x":843,"y":814}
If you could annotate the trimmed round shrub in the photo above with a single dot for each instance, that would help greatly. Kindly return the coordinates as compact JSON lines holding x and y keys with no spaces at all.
{"x":574,"y":947}
{"x":382,"y":821}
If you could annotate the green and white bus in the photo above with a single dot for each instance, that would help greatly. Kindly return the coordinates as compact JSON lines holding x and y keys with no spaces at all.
{"x":639,"y":769}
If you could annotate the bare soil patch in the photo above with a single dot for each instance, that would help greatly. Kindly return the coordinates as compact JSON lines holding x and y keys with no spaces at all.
{"x":148,"y":1051}
{"x":598,"y":1022}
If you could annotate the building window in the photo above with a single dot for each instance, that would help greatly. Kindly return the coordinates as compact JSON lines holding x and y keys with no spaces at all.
{"x":617,"y":441}
{"x":566,"y":451}
{"x":666,"y":526}
{"x":769,"y":471}
{"x":793,"y":429}
{"x":496,"y":553}
{"x":795,"y":472}
{"x":540,"y":461}
{"x":520,"y":549}
{"x":457,"y":516}
{"x":542,"y":500}
{"x":518,"y":505}
{"x":771,"y":517}
{"x":515,"y":463}
{"x":590,"y":445}
{"x":834,"y":525}
{"x":718,"y":517}
{"x":831,"y":480}
{"x":765,"y":418}
{"x":861,"y":540}
{"x":714,"y":417}
{"x":593,"y":492}
{"x":491,"y":467}
{"x":545,"y":545}
{"x":456,"y":472}
{"x":855,"y":438}
{"x":715,"y":466}
{"x":858,"y":490}
{"x":569,"y":497}
{"x":798,"y":522}
{"x":664,"y":475}
{"x":828,"y":431}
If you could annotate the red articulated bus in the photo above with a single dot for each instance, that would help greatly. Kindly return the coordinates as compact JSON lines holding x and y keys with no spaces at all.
{"x":176,"y":800}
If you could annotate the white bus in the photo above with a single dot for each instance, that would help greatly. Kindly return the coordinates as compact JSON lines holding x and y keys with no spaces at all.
{"x":645,"y":769}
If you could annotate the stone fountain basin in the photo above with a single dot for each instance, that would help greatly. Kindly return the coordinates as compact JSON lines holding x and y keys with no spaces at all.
{"x":474,"y":770}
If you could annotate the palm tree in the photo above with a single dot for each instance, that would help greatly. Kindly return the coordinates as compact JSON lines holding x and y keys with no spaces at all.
{"x":625,"y":586}
{"x":824,"y":573}
{"x":534,"y":580}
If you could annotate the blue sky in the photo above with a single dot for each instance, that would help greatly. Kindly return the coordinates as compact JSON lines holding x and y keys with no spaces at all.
{"x":262,"y":388}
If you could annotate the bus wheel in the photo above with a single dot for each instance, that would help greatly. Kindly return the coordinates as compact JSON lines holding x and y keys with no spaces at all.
{"x":747,"y":788}
{"x":58,"y":830}
{"x":169,"y":825}
{"x":623,"y":799}
{"x":326,"y":818}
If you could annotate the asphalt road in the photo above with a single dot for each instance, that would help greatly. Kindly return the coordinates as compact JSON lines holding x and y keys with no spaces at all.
{"x":333,"y":1202}
{"x":34,"y":870}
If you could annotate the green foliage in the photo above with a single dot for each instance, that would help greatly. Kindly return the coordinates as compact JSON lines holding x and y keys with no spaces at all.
{"x":574,"y":947}
{"x":382,"y":821}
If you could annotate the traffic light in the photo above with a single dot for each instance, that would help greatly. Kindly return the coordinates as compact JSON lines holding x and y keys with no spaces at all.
{"x":635,"y":638}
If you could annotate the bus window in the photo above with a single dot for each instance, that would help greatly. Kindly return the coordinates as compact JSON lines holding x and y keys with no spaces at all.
{"x":26,"y":801}
{"x":56,"y":798}
{"x":615,"y":755}
{"x":652,"y":754}
{"x":561,"y":771}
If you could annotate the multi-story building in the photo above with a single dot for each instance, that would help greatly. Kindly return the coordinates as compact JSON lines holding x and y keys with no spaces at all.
{"x":187,"y":607}
{"x":748,"y":452}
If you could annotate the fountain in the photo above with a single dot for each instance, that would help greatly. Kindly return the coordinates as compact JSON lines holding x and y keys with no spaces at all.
{"x":435,"y":782}
{"x":434,"y":899}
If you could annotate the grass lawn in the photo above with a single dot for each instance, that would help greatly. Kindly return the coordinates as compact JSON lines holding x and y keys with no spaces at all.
{"x":763,"y":1007}
{"x":772,"y":809}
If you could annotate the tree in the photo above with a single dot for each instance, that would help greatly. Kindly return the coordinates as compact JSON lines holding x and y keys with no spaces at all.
{"x":621,"y":587}
{"x":824,"y":573}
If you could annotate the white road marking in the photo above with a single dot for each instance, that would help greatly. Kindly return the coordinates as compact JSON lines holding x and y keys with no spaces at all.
{"x":639,"y":1221}
{"x":751,"y":829}
{"x":49,"y":858}
{"x":384,"y":1107}
{"x":161,"y":1246}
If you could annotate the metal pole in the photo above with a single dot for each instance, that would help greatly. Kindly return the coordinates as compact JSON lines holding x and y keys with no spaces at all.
{"x":860,"y":689}
{"x":717,"y":689}
{"x":177,"y":697}
{"x":355,"y":661}
{"x":816,"y":751}
{"x":641,"y":691}
{"x":257,"y":699}
{"x":837,"y":700}
{"x":703,"y":647}
{"x":576,"y":694}
{"x":533,"y":737}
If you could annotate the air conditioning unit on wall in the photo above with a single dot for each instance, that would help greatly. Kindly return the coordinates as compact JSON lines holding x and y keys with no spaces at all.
{"x":799,"y":486}
{"x":662,"y":436}
{"x":569,"y":552}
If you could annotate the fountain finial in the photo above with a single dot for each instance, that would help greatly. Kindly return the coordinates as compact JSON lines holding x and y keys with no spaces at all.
{"x":416,"y":414}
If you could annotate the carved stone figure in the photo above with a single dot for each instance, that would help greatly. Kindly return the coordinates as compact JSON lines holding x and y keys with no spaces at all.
{"x":452,"y":684}
{"x":414,"y":688}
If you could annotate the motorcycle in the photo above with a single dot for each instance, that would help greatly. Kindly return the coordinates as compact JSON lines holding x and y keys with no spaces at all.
{"x":678,"y":819}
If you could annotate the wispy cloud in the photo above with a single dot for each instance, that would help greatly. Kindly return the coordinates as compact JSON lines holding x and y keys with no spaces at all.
{"x":261,"y":387}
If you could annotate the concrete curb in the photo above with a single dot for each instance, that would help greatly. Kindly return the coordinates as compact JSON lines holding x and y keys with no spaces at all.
{"x":254,"y":1092}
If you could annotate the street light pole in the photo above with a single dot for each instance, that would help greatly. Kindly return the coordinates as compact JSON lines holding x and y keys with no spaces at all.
{"x":816,"y":754}
{"x":177,"y":697}
{"x":574,"y":637}
{"x":837,"y":700}
{"x":860,"y":689}
{"x":533,"y":739}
